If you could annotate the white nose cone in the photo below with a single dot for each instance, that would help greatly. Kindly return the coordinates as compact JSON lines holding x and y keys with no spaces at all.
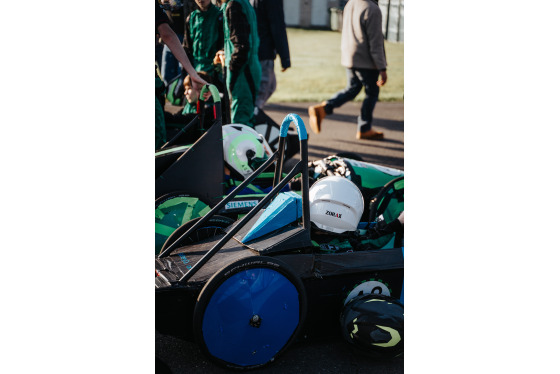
{"x":336,"y":204}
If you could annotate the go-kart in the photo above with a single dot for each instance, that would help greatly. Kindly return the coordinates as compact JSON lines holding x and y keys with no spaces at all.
{"x":190,"y":173}
{"x":245,"y":291}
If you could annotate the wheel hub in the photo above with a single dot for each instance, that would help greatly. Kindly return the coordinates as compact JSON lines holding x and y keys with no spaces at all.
{"x":255,"y":321}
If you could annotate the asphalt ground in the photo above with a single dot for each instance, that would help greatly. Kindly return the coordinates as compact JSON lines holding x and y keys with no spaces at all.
{"x":338,"y":131}
{"x":327,"y":354}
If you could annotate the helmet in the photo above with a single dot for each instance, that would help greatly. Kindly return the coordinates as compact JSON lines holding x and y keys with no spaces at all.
{"x":336,"y":204}
{"x":244,"y":149}
{"x":374,"y":324}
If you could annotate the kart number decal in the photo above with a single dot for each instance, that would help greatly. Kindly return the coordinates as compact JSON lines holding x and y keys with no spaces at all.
{"x":241,"y":204}
{"x":368,"y":287}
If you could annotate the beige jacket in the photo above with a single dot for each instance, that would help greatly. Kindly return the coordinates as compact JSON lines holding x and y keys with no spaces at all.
{"x":362,"y":39}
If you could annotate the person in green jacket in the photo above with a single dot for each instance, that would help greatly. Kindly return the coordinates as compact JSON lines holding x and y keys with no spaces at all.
{"x":204,"y":36}
{"x":170,"y":39}
{"x":241,"y":48}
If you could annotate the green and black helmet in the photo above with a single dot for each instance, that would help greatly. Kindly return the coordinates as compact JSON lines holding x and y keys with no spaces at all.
{"x":374,"y":324}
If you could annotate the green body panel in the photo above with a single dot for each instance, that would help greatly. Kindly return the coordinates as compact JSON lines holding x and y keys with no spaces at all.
{"x":394,"y":208}
{"x":373,"y":176}
{"x":338,"y":245}
{"x":175,"y":212}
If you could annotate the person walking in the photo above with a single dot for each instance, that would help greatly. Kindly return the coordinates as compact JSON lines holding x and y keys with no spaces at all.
{"x":363,"y":56}
{"x":273,"y":41}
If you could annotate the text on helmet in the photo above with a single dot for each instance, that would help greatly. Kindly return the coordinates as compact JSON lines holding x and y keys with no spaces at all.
{"x":329,"y":213}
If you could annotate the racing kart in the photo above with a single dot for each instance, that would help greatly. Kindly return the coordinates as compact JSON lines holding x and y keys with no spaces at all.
{"x":190,"y":173}
{"x":246,"y":291}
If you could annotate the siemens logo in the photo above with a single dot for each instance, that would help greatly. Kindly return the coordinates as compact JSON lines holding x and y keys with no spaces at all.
{"x":337,"y":215}
{"x":241,"y":204}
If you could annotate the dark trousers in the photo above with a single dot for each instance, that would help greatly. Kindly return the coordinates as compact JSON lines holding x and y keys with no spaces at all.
{"x":356,"y":79}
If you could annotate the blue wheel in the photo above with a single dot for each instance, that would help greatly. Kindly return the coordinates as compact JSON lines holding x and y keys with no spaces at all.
{"x":249,"y":312}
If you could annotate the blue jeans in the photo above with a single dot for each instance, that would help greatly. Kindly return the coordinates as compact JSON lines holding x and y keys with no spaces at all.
{"x":356,"y":79}
{"x":170,"y":67}
{"x":268,"y":83}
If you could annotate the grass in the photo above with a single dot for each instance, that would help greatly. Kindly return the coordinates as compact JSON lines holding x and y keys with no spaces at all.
{"x":316,"y":73}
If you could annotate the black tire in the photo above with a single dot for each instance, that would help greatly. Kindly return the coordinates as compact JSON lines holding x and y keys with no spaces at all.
{"x":213,"y":226}
{"x":266,"y":306}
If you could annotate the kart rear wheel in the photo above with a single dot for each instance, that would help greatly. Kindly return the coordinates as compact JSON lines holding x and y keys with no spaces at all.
{"x":249,"y":312}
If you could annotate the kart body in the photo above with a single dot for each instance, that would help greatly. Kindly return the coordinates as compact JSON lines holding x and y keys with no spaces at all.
{"x":245,"y":298}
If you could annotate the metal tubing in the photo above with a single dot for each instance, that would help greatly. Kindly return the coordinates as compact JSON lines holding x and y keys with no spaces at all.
{"x":280,"y":163}
{"x":305,"y":185}
{"x":220,"y":205}
{"x":240,"y":224}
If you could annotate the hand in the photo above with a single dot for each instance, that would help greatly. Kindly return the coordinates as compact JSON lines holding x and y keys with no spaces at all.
{"x":284,"y":69}
{"x":383,"y":79}
{"x":206,"y":95}
{"x":220,"y":58}
{"x":192,"y":96}
{"x":216,"y":60}
{"x":197,"y":83}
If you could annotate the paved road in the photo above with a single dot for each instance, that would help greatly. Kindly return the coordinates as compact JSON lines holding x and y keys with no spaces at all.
{"x":338,"y":132}
{"x":327,"y":355}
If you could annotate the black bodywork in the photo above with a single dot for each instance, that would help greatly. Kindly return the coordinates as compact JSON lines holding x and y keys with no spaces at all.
{"x":328,"y":278}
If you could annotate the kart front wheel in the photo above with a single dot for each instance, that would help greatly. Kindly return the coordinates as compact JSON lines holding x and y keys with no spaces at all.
{"x":249,"y":312}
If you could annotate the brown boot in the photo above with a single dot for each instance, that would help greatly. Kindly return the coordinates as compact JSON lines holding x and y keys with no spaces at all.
{"x":316,"y":115}
{"x":370,"y":134}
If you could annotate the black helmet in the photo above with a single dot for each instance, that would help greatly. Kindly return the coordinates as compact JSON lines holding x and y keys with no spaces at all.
{"x":374,"y":324}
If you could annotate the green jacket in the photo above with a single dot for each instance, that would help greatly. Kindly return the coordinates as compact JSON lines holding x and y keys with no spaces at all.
{"x":241,"y":47}
{"x":204,"y":37}
{"x":242,"y":30}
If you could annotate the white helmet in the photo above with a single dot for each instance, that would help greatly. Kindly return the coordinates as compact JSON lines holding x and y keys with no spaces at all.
{"x":244,"y":148}
{"x":336,"y":204}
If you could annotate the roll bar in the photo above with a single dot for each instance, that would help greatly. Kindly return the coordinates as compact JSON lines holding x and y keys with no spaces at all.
{"x":278,"y":184}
